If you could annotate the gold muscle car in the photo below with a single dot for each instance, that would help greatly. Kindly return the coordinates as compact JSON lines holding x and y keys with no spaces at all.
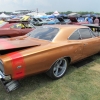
{"x":47,"y":49}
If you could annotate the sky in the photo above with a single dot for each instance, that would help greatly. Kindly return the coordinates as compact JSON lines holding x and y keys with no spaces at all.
{"x":50,"y":5}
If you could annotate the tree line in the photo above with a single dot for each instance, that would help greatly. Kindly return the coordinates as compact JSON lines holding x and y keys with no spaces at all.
{"x":80,"y":12}
{"x":67,"y":12}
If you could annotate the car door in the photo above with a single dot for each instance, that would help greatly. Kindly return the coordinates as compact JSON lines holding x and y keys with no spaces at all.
{"x":90,"y":42}
{"x":77,"y":46}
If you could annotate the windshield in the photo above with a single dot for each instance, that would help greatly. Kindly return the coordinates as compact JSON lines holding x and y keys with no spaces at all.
{"x":25,"y":25}
{"x":3,"y":23}
{"x":45,"y":33}
{"x":39,"y":19}
{"x":67,"y":20}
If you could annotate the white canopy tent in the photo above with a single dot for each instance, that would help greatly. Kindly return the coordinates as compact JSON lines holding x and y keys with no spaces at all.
{"x":56,"y":13}
{"x":4,"y":16}
{"x":36,"y":14}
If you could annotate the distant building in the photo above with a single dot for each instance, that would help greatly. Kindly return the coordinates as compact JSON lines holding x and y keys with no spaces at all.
{"x":22,"y":12}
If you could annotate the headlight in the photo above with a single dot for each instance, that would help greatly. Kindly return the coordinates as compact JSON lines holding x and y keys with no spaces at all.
{"x":1,"y":66}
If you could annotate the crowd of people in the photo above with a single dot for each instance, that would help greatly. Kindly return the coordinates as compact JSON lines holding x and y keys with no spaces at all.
{"x":91,"y":21}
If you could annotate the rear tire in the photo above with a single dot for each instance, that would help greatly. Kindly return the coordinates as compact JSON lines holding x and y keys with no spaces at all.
{"x":58,"y":69}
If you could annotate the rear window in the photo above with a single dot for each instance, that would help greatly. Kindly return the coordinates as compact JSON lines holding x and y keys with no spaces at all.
{"x":45,"y":33}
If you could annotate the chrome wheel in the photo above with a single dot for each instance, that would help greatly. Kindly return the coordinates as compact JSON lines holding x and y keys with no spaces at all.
{"x":59,"y":67}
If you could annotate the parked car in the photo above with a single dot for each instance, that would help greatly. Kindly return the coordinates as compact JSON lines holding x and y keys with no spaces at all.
{"x":52,"y":21}
{"x":75,"y":21}
{"x":36,"y":22}
{"x":15,"y":28}
{"x":71,"y":20}
{"x":1,"y":21}
{"x":43,"y":21}
{"x":48,"y":49}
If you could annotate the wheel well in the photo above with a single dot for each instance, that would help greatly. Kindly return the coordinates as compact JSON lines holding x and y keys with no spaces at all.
{"x":68,"y":58}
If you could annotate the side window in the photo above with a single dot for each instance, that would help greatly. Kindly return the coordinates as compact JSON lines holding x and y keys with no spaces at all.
{"x":96,"y":34}
{"x":85,"y":33}
{"x":75,"y":36}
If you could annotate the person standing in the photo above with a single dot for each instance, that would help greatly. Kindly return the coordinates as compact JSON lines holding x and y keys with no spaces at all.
{"x":96,"y":21}
{"x":90,"y":20}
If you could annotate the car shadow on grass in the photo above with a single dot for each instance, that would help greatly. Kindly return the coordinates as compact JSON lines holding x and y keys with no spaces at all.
{"x":89,"y":61}
{"x":83,"y":62}
{"x":86,"y":61}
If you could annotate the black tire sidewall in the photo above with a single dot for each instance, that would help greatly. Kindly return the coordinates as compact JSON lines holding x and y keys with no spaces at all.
{"x":51,"y":74}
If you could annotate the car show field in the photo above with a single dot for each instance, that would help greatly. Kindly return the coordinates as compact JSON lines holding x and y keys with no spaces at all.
{"x":47,"y":54}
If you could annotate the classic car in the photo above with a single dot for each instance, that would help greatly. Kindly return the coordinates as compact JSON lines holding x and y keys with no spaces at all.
{"x":36,"y":22}
{"x":1,"y":21}
{"x":75,"y":21}
{"x":52,"y":21}
{"x":15,"y":28}
{"x":71,"y":20}
{"x":48,"y":49}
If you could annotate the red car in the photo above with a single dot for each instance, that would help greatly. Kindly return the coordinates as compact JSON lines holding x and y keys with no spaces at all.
{"x":71,"y":20}
{"x":76,"y":22}
{"x":15,"y":28}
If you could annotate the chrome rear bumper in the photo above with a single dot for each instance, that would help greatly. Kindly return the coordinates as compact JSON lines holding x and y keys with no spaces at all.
{"x":8,"y":84}
{"x":2,"y":75}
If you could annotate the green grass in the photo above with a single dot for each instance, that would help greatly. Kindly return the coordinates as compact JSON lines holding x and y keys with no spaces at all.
{"x":81,"y":83}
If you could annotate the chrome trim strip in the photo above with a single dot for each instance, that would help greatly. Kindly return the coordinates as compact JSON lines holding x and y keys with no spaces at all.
{"x":2,"y":75}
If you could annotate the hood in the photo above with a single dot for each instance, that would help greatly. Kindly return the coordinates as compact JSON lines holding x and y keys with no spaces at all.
{"x":73,"y":19}
{"x":15,"y":43}
{"x":61,"y":20}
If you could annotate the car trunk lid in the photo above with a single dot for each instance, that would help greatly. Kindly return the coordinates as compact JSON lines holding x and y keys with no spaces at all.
{"x":15,"y":43}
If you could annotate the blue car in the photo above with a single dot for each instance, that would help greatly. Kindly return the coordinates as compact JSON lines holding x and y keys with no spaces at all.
{"x":53,"y":21}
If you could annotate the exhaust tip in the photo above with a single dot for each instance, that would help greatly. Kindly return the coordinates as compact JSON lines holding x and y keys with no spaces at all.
{"x":11,"y":85}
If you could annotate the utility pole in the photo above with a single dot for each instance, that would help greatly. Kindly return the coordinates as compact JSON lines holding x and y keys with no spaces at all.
{"x":37,"y":11}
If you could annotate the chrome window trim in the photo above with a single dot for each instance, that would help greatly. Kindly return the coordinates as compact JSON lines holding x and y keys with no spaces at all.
{"x":2,"y":66}
{"x":93,"y":33}
{"x":90,"y":33}
{"x":79,"y":34}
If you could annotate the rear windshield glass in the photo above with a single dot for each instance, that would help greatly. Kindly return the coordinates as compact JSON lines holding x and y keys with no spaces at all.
{"x":45,"y":33}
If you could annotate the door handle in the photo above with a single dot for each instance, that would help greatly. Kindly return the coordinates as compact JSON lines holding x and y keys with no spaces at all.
{"x":85,"y":44}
